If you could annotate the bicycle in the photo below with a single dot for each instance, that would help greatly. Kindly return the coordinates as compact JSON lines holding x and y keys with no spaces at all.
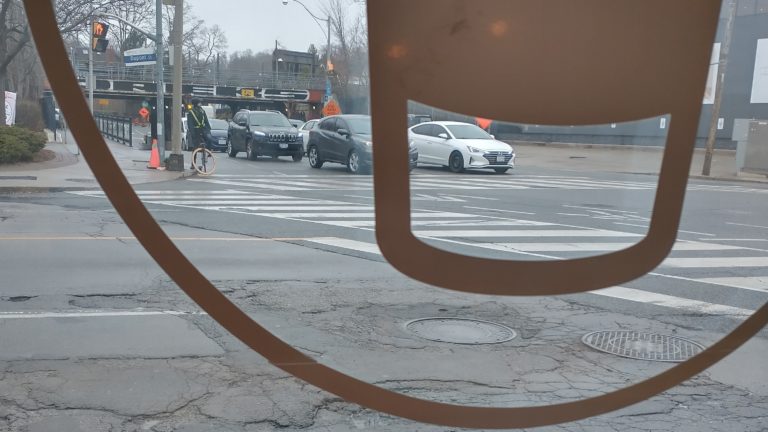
{"x":203,"y":161}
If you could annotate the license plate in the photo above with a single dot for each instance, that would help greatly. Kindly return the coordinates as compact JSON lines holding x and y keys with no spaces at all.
{"x":222,"y":140}
{"x":283,"y":146}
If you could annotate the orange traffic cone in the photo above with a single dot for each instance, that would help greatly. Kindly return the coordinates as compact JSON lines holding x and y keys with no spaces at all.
{"x":154,"y":158}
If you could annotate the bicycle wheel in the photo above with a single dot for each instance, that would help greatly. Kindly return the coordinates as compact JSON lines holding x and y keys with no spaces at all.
{"x":203,"y":161}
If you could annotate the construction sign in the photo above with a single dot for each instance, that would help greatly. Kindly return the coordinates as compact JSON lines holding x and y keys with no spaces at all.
{"x":331,"y":108}
{"x":483,"y":122}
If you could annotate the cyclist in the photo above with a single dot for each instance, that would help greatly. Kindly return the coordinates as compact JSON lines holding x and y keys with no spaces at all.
{"x":199,"y":127}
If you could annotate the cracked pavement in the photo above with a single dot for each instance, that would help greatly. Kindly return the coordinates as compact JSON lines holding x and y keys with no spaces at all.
{"x":185,"y":373}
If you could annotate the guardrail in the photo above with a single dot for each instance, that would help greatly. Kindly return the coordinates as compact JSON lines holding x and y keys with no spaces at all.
{"x":236,"y":77}
{"x":116,"y":128}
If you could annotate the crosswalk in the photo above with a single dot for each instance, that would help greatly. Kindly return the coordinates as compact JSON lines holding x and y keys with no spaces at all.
{"x":421,"y":181}
{"x":702,"y":263}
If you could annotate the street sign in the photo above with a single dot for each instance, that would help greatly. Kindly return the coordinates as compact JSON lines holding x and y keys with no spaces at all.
{"x":247,"y":92}
{"x":140,"y":57}
{"x":331,"y":108}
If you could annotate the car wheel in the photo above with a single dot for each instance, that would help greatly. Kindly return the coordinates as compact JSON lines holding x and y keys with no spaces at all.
{"x":456,"y":162}
{"x":250,"y":152}
{"x":501,"y":170}
{"x":297,"y":157}
{"x":314,"y":157}
{"x":353,"y":162}
{"x":231,"y":150}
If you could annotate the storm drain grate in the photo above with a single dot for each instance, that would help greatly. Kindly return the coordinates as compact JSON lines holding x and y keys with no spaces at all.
{"x":460,"y":331}
{"x":643,"y":346}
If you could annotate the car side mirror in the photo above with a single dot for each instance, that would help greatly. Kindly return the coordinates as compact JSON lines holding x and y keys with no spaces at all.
{"x":443,"y":136}
{"x":343,"y":131}
{"x":493,"y":136}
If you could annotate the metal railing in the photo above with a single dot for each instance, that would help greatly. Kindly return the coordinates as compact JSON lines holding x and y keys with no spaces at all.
{"x":208,"y":76}
{"x":116,"y":128}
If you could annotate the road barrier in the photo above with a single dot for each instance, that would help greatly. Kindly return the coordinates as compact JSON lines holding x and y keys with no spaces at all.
{"x":116,"y":128}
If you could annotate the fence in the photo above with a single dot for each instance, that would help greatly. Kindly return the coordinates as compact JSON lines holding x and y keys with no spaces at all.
{"x":116,"y":128}
{"x":206,"y":76}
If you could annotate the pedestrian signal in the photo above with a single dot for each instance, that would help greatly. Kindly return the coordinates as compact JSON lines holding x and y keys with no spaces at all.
{"x":99,"y":40}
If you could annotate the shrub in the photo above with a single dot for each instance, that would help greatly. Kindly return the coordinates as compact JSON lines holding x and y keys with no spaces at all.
{"x":29,"y":115}
{"x":19,"y":144}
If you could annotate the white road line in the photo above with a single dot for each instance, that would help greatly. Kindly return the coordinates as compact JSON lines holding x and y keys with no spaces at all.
{"x":89,"y":314}
{"x":755,"y":283}
{"x":629,"y":294}
{"x":525,"y":233}
{"x":629,"y":224}
{"x":498,"y":210}
{"x":285,"y":208}
{"x":366,"y":215}
{"x":738,"y":239}
{"x":218,"y":197}
{"x":697,"y":233}
{"x":348,"y":244}
{"x":234,"y":183}
{"x":246,"y":202}
{"x":746,"y":225}
{"x":716,"y":262}
{"x":600,"y":247}
{"x":469,"y":196}
{"x":696,"y":306}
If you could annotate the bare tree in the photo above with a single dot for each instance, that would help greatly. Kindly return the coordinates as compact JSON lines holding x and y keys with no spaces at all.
{"x":14,"y":36}
{"x":350,"y":53}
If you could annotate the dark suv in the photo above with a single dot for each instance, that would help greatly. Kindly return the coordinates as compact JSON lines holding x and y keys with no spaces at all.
{"x":346,"y":139}
{"x":264,"y":133}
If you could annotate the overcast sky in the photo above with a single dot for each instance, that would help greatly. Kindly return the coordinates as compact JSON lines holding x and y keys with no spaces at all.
{"x":256,"y":24}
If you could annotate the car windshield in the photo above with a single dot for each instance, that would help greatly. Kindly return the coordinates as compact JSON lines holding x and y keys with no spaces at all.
{"x":218,"y":124}
{"x":269,"y":119}
{"x":359,"y":125}
{"x":468,"y":132}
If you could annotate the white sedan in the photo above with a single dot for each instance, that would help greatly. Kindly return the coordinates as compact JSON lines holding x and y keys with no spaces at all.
{"x":304,"y":131}
{"x":460,"y":146}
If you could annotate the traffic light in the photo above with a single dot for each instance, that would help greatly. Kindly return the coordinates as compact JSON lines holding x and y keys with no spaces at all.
{"x":99,"y":36}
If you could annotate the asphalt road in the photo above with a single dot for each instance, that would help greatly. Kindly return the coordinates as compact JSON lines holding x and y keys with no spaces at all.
{"x":93,"y":330}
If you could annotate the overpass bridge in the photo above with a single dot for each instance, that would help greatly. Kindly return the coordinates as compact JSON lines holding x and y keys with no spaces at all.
{"x":236,"y":90}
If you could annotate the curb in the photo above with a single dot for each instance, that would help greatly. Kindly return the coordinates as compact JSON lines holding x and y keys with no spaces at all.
{"x":54,"y":189}
{"x":590,"y":146}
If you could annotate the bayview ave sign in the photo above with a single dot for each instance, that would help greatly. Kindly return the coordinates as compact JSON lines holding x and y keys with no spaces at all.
{"x":140,"y":57}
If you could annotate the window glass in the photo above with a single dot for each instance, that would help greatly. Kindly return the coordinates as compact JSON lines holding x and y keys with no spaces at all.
{"x":359,"y":125}
{"x":289,"y":236}
{"x":329,"y":124}
{"x":268,"y":119}
{"x":421,"y":130}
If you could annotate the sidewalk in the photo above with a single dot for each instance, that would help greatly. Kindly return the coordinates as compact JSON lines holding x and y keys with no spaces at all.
{"x":624,"y":159}
{"x":69,"y":170}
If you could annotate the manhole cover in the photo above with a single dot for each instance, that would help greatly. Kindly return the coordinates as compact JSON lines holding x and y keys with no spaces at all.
{"x":460,"y":331}
{"x":643,"y":346}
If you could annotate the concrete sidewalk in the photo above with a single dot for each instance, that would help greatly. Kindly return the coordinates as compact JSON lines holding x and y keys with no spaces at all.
{"x":69,"y":170}
{"x":624,"y":159}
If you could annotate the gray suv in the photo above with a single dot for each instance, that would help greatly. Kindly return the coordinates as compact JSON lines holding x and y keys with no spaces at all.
{"x":264,"y":133}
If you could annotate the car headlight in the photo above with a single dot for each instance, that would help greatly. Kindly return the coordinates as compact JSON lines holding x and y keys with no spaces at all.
{"x":367,"y":144}
{"x":259,"y":134}
{"x":474,"y":149}
{"x":301,"y":135}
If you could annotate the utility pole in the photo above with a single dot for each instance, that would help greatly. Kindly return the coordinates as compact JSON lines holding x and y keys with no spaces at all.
{"x":160,"y":84}
{"x":91,"y":80}
{"x":176,"y":160}
{"x":723,"y":61}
